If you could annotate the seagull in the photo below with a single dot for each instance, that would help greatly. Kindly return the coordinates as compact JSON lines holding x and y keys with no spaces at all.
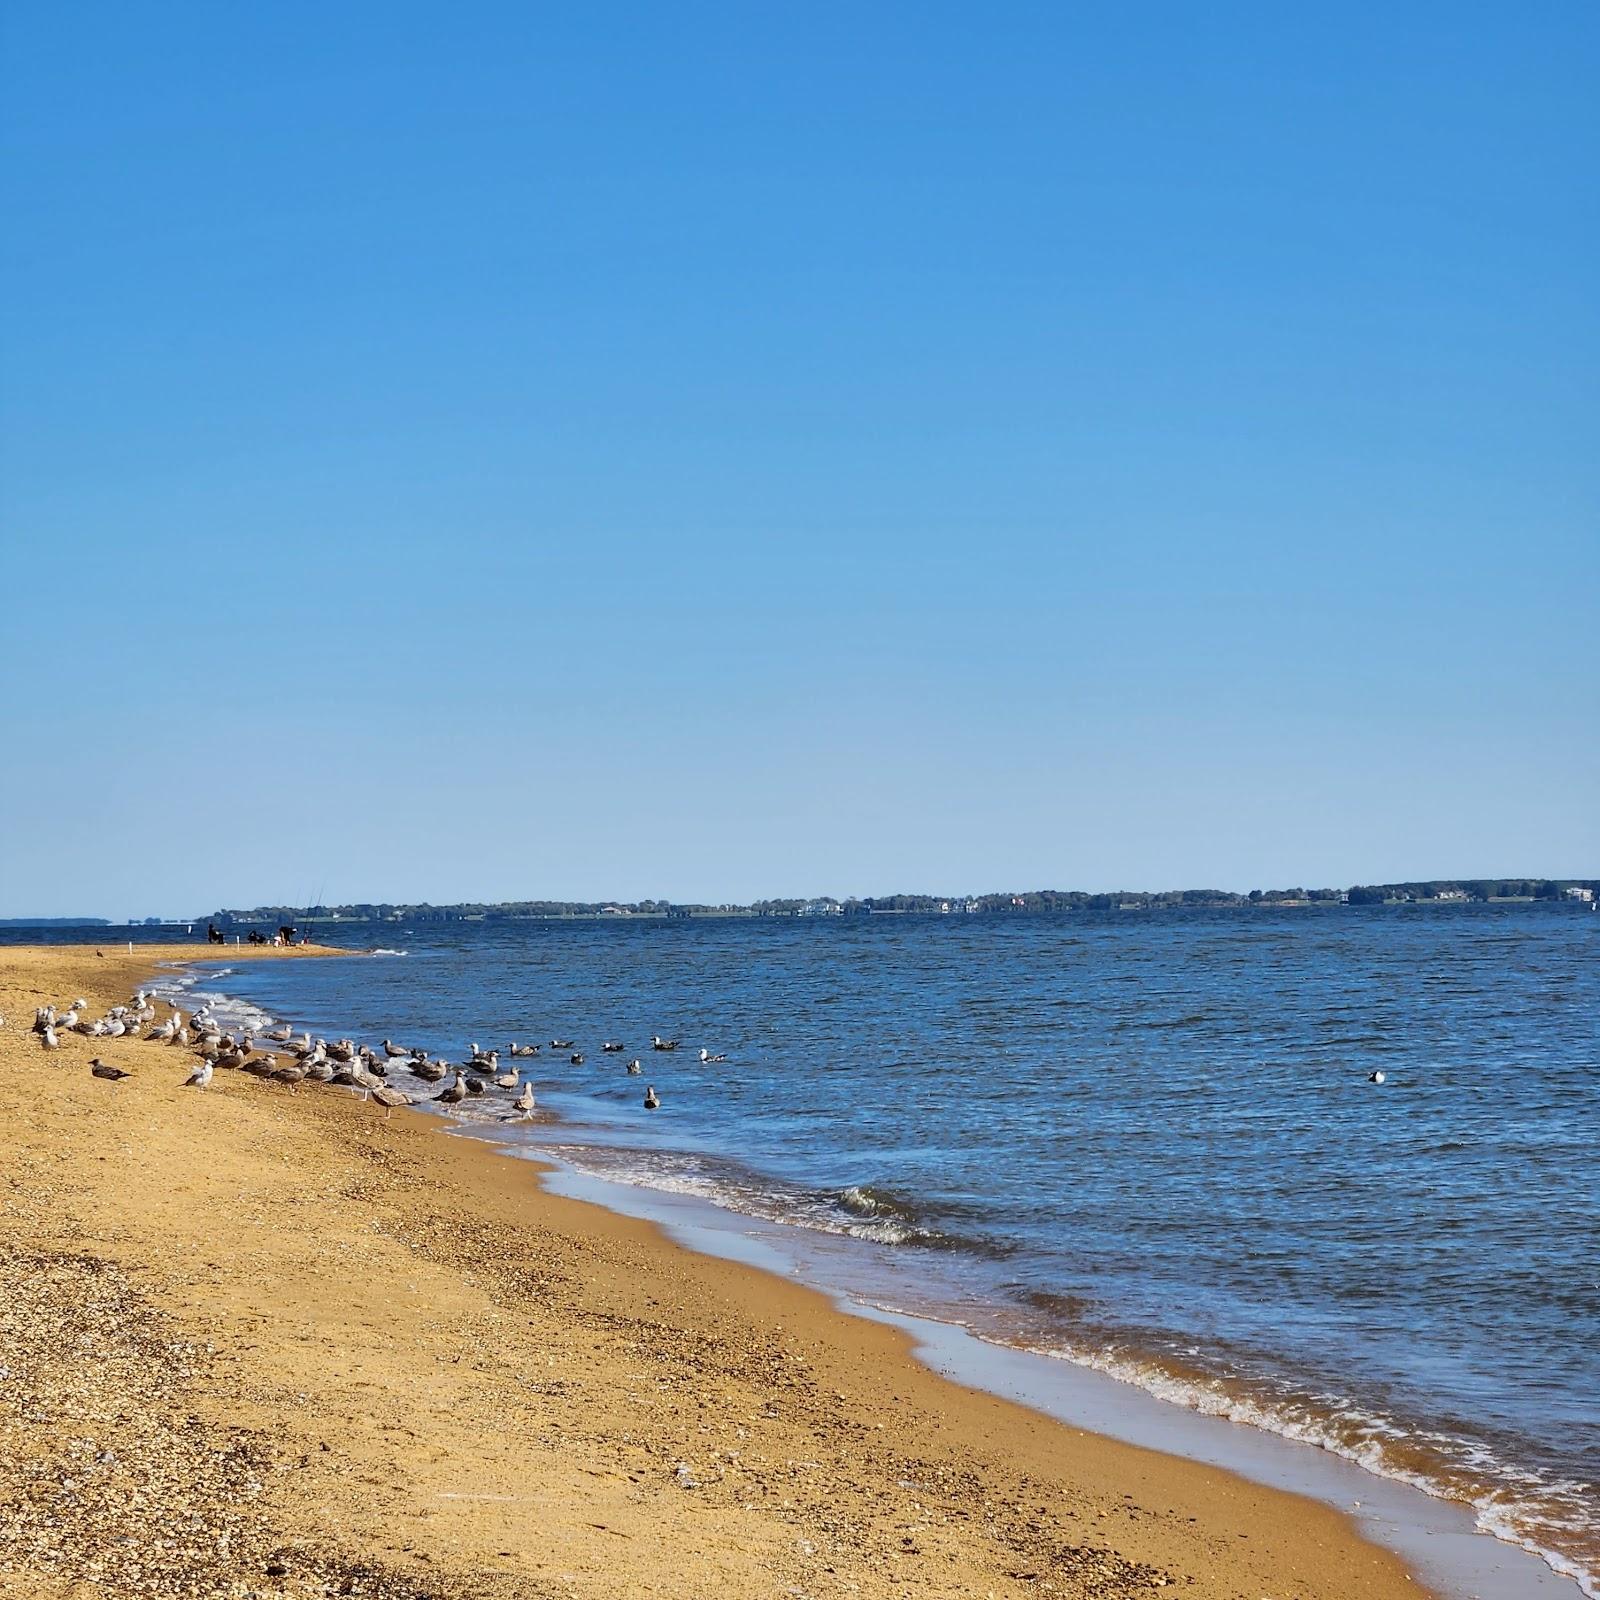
{"x":391,"y":1049}
{"x":1376,"y":1077}
{"x":200,"y":1079}
{"x":560,"y":1044}
{"x":47,"y":1037}
{"x":576,"y":1058}
{"x":651,"y":1099}
{"x":507,"y":1080}
{"x":524,"y":1101}
{"x":523,"y":1049}
{"x":658,"y":1043}
{"x":611,"y":1047}
{"x":635,"y":1067}
{"x":453,"y":1094}
{"x":279,"y":1035}
{"x":706,"y":1058}
{"x":104,"y":1069}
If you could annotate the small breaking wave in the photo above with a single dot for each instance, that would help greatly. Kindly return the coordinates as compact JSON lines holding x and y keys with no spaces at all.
{"x":1552,"y":1518}
{"x":234,"y":1014}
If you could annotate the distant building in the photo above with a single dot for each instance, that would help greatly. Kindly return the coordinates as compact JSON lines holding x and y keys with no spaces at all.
{"x":1578,"y":893}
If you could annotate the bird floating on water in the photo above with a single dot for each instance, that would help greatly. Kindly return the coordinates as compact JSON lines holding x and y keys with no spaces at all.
{"x":651,"y":1099}
{"x":612,"y":1047}
{"x":706,"y":1058}
{"x":658,"y":1043}
{"x":1376,"y":1077}
{"x":560,"y":1044}
{"x":635,"y":1067}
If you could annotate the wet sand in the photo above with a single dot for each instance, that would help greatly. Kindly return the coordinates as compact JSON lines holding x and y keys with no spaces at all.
{"x":276,"y":1343}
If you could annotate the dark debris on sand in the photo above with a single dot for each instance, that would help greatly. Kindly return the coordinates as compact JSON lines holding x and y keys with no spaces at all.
{"x":109,"y":1479}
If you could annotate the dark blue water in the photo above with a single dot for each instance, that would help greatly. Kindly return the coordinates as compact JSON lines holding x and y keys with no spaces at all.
{"x":1146,"y":1141}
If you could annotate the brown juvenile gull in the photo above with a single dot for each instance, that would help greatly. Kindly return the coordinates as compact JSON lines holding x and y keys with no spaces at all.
{"x":104,"y":1069}
{"x":651,"y":1099}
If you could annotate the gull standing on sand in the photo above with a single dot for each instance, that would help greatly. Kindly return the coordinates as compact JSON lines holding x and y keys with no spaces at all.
{"x":200,"y":1079}
{"x":104,"y":1069}
{"x":48,"y":1038}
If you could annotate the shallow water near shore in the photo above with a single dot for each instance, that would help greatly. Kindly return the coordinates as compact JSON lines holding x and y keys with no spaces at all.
{"x":1146,"y":1144}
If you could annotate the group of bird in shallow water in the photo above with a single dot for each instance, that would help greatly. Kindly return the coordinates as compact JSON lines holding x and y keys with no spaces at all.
{"x":338,"y":1061}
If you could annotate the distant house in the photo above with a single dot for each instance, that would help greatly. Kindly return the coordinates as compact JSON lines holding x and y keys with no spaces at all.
{"x":1452,"y":894}
{"x":1576,"y":892}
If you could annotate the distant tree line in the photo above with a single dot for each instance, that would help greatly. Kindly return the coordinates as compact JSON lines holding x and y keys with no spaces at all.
{"x":1030,"y":902}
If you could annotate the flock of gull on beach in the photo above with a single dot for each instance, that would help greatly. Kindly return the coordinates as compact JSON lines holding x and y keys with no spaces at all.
{"x":307,"y":1059}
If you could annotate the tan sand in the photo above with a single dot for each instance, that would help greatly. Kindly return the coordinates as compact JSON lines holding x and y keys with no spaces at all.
{"x":274,"y":1343}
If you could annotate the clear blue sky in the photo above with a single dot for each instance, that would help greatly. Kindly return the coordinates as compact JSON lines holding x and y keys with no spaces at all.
{"x":710,"y":451}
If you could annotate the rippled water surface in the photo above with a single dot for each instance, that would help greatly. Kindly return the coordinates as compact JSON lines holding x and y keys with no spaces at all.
{"x":1147,"y":1141}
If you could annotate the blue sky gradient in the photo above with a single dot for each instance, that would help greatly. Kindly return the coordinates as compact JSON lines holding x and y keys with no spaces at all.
{"x":710,"y":451}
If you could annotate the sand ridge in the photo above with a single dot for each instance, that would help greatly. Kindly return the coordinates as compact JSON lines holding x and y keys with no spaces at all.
{"x":276,"y":1343}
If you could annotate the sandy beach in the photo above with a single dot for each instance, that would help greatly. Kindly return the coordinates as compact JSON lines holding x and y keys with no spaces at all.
{"x":276,"y":1343}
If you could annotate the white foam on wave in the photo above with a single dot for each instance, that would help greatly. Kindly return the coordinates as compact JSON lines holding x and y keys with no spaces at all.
{"x":381,"y":951}
{"x":796,"y":1210}
{"x":1515,"y":1510}
{"x":232,"y":1013}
